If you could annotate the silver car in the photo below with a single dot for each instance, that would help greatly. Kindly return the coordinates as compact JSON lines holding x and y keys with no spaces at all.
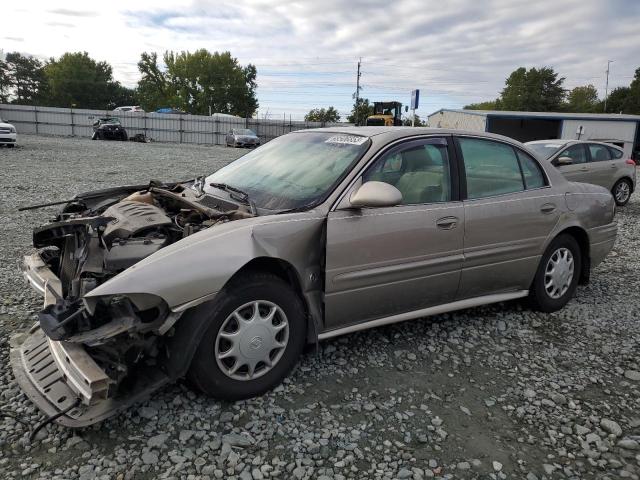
{"x":318,"y":233}
{"x":591,"y":162}
{"x":242,"y":137}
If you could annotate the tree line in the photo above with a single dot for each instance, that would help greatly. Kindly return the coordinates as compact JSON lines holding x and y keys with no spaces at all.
{"x":542,"y":90}
{"x":193,"y":82}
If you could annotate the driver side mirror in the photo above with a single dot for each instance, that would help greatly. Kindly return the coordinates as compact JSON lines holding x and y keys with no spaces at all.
{"x":564,"y":161}
{"x":376,"y":194}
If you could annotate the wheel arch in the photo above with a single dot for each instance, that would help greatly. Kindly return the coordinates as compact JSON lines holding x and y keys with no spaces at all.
{"x":288,"y":273}
{"x":582,"y":237}
{"x":182,"y":345}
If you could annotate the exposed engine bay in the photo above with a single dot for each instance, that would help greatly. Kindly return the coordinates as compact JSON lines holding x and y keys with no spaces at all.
{"x":98,"y":235}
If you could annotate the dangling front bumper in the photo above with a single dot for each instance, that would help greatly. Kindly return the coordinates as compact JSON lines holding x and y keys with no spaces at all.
{"x":55,"y":375}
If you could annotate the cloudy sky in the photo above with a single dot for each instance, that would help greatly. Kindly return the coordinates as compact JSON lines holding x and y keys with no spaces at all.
{"x":455,"y":51}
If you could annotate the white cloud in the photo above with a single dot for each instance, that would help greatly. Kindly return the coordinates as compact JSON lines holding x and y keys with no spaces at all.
{"x":457,"y":51}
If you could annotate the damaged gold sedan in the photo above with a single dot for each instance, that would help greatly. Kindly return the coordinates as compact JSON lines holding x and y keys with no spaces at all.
{"x":224,"y":279}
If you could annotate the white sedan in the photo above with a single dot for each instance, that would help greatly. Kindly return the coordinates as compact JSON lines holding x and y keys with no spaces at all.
{"x":8,"y":135}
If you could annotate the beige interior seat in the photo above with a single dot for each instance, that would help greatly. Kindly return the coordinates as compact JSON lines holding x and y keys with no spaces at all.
{"x":422,"y":180}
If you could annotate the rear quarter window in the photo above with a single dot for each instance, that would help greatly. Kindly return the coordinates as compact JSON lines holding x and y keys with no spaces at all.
{"x":615,"y":153}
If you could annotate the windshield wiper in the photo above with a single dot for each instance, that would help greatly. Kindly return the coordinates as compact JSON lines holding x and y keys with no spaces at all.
{"x":301,"y":208}
{"x":237,"y":194}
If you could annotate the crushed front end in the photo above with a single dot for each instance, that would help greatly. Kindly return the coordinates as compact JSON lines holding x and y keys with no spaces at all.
{"x":88,"y":357}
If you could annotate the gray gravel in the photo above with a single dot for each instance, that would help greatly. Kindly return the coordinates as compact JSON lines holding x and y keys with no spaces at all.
{"x":495,"y":392}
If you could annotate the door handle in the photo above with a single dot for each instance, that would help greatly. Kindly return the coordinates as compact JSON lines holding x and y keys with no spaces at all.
{"x":613,"y":165}
{"x":447,"y":223}
{"x":548,"y":208}
{"x":584,"y":169}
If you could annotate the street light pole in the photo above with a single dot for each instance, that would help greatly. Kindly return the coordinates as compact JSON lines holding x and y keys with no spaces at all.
{"x":606,"y":88}
{"x":358,"y":91}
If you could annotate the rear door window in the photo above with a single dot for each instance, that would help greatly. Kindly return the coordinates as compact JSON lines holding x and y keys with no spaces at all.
{"x":491,"y":168}
{"x":531,"y":171}
{"x":599,"y":153}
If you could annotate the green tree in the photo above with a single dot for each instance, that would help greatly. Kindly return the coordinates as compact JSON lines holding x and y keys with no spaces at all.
{"x":76,"y":79}
{"x":536,"y":90}
{"x":625,"y":99}
{"x":633,"y":99}
{"x":329,"y":115}
{"x":360,"y":111}
{"x":418,"y":123}
{"x":489,"y":105}
{"x":154,"y":88}
{"x":198,"y":81}
{"x":583,"y":99}
{"x":5,"y":81}
{"x":26,"y":80}
{"x":617,"y":100}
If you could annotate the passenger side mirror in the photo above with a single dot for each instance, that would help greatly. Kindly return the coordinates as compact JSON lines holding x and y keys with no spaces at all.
{"x":564,"y":161}
{"x":376,"y":194}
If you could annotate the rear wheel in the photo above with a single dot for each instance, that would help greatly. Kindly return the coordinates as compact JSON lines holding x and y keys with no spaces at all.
{"x":621,"y":192}
{"x":10,"y":145}
{"x":557,"y":276}
{"x":256,"y":333}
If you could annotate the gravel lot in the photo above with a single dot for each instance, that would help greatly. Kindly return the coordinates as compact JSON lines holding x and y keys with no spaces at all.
{"x":493,"y":392}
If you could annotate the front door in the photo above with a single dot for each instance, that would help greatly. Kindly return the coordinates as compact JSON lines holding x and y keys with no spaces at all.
{"x":385,"y":261}
{"x":579,"y":169}
{"x":603,"y":169}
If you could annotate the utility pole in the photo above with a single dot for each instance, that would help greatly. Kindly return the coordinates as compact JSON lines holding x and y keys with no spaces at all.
{"x":358,"y":91}
{"x":606,"y":88}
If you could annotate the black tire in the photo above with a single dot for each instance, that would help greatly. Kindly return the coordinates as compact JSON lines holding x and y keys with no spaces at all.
{"x":539,"y":298}
{"x":10,"y":145}
{"x":205,"y":373}
{"x":617,"y":192}
{"x":124,"y":137}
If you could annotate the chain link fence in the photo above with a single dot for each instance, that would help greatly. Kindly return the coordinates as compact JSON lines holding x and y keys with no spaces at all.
{"x":159,"y":127}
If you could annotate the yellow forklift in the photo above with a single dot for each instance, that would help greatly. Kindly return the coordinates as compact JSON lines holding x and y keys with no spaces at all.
{"x":387,"y":114}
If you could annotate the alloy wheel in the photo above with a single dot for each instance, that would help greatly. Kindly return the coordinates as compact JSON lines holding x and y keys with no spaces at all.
{"x":622,"y":192}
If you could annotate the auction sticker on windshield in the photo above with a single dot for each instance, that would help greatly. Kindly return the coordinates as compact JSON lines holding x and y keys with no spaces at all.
{"x":346,"y":139}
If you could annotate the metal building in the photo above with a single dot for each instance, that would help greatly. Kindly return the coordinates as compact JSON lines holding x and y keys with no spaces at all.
{"x":621,"y":130}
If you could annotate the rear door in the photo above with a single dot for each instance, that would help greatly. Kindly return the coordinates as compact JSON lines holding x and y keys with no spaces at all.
{"x":391,"y":260}
{"x":579,"y":169}
{"x":509,"y":212}
{"x":603,"y":168}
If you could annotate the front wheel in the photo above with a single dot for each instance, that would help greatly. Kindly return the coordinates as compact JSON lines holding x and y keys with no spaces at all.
{"x":256,"y":333}
{"x":557,"y":276}
{"x":622,"y":192}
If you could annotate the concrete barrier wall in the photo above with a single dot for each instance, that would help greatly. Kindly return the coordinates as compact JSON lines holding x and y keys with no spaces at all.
{"x":160,"y":127}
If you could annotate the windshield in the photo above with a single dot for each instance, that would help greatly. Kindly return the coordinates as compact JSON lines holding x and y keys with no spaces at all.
{"x":110,"y":121}
{"x":546,"y":150}
{"x":244,"y":131}
{"x":293,"y":171}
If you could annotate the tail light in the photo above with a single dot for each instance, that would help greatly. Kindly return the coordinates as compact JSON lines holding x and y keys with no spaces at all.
{"x":630,"y":162}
